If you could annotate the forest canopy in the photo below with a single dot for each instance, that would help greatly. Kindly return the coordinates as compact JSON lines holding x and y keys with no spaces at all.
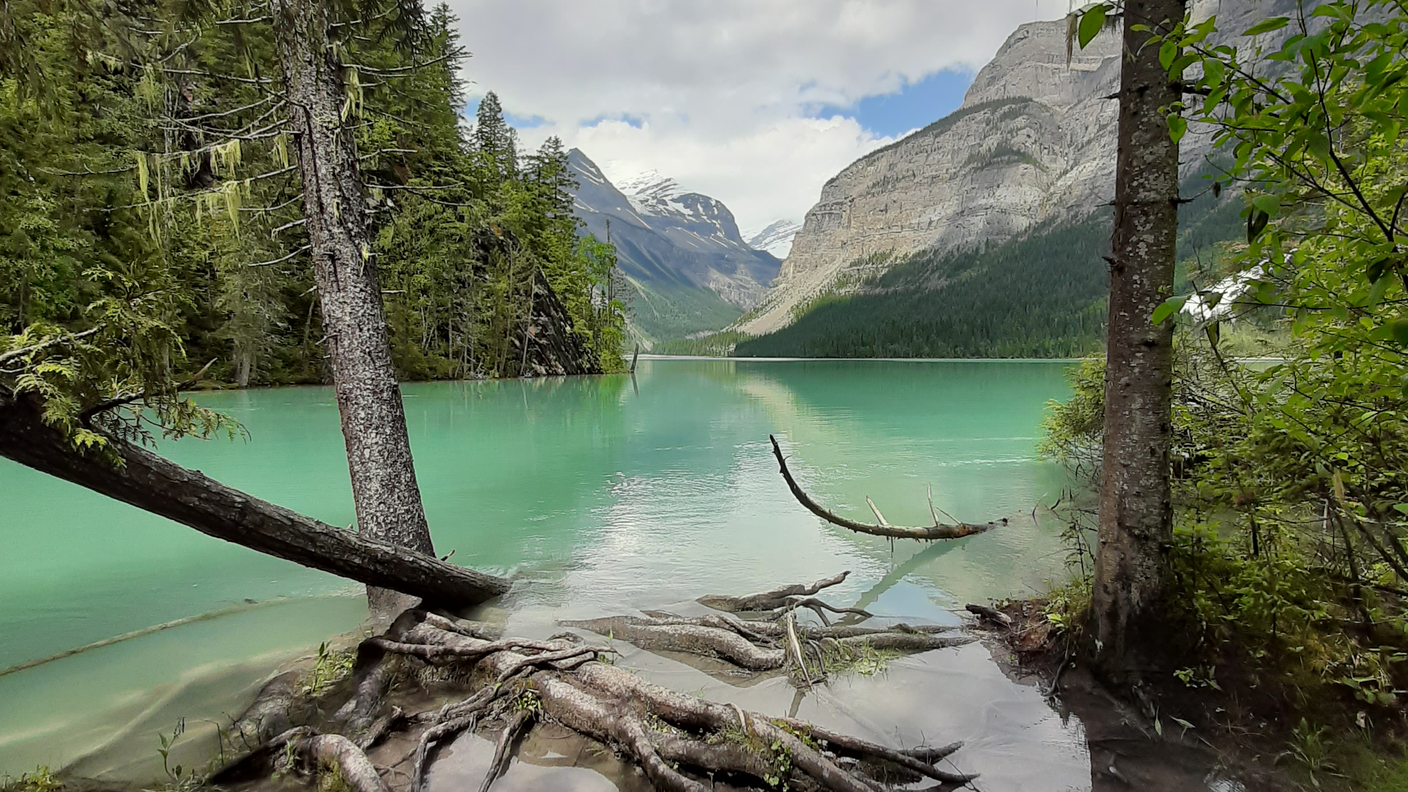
{"x":147,"y":174}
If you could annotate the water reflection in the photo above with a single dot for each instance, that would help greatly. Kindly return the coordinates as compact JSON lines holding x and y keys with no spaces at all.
{"x":599,"y":494}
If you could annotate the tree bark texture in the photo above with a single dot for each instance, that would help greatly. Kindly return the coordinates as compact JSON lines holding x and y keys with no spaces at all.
{"x":162,"y":487}
{"x":1135,"y":511}
{"x":384,"y":487}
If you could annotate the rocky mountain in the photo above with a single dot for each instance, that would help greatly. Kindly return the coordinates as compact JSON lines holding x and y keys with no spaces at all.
{"x":1032,"y":145}
{"x":681,"y":251}
{"x":776,"y":238}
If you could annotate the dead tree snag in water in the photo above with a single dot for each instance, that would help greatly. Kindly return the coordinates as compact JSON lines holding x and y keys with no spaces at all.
{"x":938,"y":530}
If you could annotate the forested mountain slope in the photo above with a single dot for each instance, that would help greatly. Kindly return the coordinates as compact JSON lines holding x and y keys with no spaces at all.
{"x":1028,"y":157}
{"x":1039,"y":295}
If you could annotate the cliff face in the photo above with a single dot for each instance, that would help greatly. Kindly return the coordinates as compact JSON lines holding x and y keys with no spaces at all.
{"x":1034,"y":141}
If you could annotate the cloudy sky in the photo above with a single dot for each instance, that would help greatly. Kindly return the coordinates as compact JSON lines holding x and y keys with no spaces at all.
{"x":754,"y":102}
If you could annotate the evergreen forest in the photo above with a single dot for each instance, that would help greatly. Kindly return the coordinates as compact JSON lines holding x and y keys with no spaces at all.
{"x":146,"y":170}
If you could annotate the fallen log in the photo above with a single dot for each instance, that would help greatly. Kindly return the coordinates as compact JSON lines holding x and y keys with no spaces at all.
{"x":136,"y":476}
{"x":938,"y":530}
{"x":989,"y":614}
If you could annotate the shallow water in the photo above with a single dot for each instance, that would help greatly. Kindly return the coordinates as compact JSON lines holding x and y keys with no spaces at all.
{"x":600,"y":495}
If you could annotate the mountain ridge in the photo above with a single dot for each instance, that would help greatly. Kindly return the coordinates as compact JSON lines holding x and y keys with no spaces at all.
{"x":681,"y":251}
{"x":1033,"y":143}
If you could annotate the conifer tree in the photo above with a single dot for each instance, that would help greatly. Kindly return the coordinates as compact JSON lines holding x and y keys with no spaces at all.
{"x":495,"y":140}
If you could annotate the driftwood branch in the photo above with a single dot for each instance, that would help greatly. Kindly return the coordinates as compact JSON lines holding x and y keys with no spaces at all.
{"x":773,"y":599}
{"x":955,"y":530}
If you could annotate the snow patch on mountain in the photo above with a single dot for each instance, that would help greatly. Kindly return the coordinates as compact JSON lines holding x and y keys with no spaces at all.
{"x":776,"y":238}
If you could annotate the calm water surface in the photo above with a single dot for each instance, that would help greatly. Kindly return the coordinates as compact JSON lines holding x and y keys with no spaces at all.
{"x":599,"y":495}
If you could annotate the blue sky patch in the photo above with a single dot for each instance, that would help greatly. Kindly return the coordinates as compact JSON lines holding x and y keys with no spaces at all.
{"x":634,"y":121}
{"x":520,"y":122}
{"x":915,"y":105}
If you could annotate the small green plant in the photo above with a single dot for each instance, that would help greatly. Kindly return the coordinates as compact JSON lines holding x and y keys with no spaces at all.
{"x":527,"y":700}
{"x":1199,"y":677}
{"x":1310,"y":747}
{"x":330,"y":667}
{"x":41,"y":780}
{"x":174,"y":773}
{"x":1067,"y":605}
{"x":331,"y":779}
{"x":781,"y":766}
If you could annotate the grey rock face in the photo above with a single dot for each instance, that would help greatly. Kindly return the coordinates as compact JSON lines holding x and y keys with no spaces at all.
{"x":1033,"y":141}
{"x":671,"y":238}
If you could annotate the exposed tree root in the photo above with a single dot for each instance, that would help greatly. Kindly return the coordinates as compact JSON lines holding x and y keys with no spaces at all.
{"x":681,"y":636}
{"x":681,"y":743}
{"x":502,"y":751}
{"x":764,"y":646}
{"x":268,"y":716}
{"x":373,"y":672}
{"x":310,"y":753}
{"x":939,"y":530}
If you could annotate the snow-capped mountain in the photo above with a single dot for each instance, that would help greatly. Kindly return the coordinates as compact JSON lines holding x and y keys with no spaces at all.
{"x":682,"y":250}
{"x":776,"y":238}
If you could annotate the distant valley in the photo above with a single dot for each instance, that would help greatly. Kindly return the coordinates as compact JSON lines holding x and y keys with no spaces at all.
{"x":686,"y":261}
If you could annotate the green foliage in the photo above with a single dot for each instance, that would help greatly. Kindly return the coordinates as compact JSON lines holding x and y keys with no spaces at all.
{"x":527,"y":700}
{"x":330,"y":666}
{"x":42,"y":779}
{"x":150,"y":217}
{"x":1038,"y":296}
{"x":1288,"y":554}
{"x":1072,"y":429}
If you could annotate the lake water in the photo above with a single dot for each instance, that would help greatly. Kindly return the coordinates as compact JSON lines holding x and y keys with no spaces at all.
{"x":599,"y":495}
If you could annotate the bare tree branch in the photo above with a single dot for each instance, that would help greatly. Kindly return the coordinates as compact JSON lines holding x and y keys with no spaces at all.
{"x":936,"y":531}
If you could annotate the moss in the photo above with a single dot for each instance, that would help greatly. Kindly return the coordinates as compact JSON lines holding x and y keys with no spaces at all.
{"x":330,"y":779}
{"x":857,"y":658}
{"x":1367,"y":770}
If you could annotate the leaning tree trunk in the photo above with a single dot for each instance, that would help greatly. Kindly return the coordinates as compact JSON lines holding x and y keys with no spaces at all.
{"x":139,"y":477}
{"x":1135,"y":511}
{"x":384,"y":486}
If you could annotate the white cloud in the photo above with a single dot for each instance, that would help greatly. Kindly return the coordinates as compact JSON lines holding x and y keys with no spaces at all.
{"x":720,"y":92}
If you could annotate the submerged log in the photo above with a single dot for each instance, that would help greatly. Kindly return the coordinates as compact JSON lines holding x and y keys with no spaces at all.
{"x":136,"y":476}
{"x":773,"y":599}
{"x":938,"y":530}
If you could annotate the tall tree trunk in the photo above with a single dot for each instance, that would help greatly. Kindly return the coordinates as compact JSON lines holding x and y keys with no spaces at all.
{"x":1135,"y":510}
{"x":161,"y":487}
{"x":384,"y":484}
